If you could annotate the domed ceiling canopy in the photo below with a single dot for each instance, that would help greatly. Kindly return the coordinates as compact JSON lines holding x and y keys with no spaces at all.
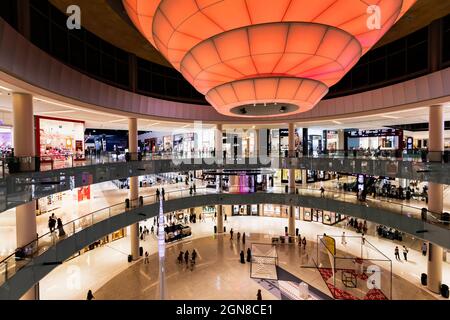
{"x":264,"y":53}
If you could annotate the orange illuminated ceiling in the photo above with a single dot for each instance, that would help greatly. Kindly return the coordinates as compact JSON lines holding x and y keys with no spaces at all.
{"x":244,"y":52}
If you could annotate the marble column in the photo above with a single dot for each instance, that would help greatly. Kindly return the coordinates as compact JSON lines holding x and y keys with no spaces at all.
{"x":435,"y":194}
{"x":134,"y":185}
{"x":219,"y":221}
{"x":291,"y":221}
{"x":24,"y":138}
{"x":291,"y":154}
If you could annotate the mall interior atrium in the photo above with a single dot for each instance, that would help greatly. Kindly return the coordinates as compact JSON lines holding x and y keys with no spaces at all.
{"x":224,"y":150}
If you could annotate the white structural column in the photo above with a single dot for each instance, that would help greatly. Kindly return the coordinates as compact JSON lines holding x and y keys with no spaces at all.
{"x":219,"y":218}
{"x":291,"y":153}
{"x":291,"y":217}
{"x":23,"y":135}
{"x":341,"y":139}
{"x":256,"y":144}
{"x":219,"y":141}
{"x":304,"y":177}
{"x":291,"y":221}
{"x":134,"y":185}
{"x":435,"y":194}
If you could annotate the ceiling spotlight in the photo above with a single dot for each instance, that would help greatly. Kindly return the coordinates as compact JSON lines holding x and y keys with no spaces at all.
{"x":254,"y":104}
{"x":265,"y":104}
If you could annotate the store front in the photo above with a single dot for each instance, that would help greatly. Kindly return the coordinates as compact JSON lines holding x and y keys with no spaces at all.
{"x":184,"y":144}
{"x":167,"y":144}
{"x":5,"y":141}
{"x":57,"y":139}
{"x":245,"y":210}
{"x":331,"y":138}
{"x":383,"y":139}
{"x":321,"y":216}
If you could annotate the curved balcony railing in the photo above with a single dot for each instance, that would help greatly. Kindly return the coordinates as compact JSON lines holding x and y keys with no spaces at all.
{"x":11,"y":165}
{"x":22,"y":256}
{"x":17,"y":189}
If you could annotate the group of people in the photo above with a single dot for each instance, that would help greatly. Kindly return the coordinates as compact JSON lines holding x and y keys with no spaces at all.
{"x":56,"y":223}
{"x":397,"y":253}
{"x":185,"y":255}
{"x":301,"y":242}
{"x":249,"y":256}
{"x":238,"y":236}
{"x":361,"y":227}
{"x":160,"y":194}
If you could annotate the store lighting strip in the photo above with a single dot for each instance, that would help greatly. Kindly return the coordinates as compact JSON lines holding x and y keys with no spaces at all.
{"x":57,"y":111}
{"x":6,"y":89}
{"x":74,"y":108}
{"x":389,"y":117}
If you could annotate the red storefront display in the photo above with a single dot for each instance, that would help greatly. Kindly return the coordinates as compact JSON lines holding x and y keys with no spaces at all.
{"x":84,"y":193}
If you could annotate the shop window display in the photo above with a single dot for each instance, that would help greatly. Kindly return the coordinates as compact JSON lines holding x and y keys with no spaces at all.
{"x":57,"y":139}
{"x":5,"y":141}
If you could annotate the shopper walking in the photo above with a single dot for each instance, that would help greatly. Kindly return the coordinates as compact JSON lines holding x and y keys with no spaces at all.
{"x":146,"y":258}
{"x":90,"y":296}
{"x":195,"y":188}
{"x":180,"y":257}
{"x":397,"y":254}
{"x":61,"y":232}
{"x":194,"y":256}
{"x":51,"y":224}
{"x":405,"y":253}
{"x":363,"y":239}
{"x":322,"y":191}
{"x":424,"y":249}
{"x":231,"y":234}
{"x":242,"y":256}
{"x":243,"y":238}
{"x":163,"y":193}
{"x":304,"y":243}
{"x":186,"y":256}
{"x":238,"y":236}
{"x":343,"y":239}
{"x":157,"y":196}
{"x":249,"y":255}
{"x":259,"y":295}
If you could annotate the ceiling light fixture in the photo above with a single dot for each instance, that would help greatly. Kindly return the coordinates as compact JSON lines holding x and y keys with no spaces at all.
{"x":240,"y":52}
{"x":336,"y":122}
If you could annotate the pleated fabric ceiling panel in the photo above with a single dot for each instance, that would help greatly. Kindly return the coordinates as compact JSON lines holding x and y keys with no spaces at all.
{"x":264,"y":53}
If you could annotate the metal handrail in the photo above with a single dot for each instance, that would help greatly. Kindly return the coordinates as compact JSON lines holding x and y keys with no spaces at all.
{"x":32,"y":248}
{"x":33,"y":164}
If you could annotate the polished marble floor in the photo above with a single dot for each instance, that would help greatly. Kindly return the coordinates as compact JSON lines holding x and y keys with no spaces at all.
{"x":105,"y":265}
{"x":93,"y":269}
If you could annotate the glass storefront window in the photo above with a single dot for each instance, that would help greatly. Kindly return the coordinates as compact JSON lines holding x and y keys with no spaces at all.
{"x":59,"y":138}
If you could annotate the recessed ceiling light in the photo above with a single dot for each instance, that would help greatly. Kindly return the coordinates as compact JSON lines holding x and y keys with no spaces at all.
{"x":336,"y":122}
